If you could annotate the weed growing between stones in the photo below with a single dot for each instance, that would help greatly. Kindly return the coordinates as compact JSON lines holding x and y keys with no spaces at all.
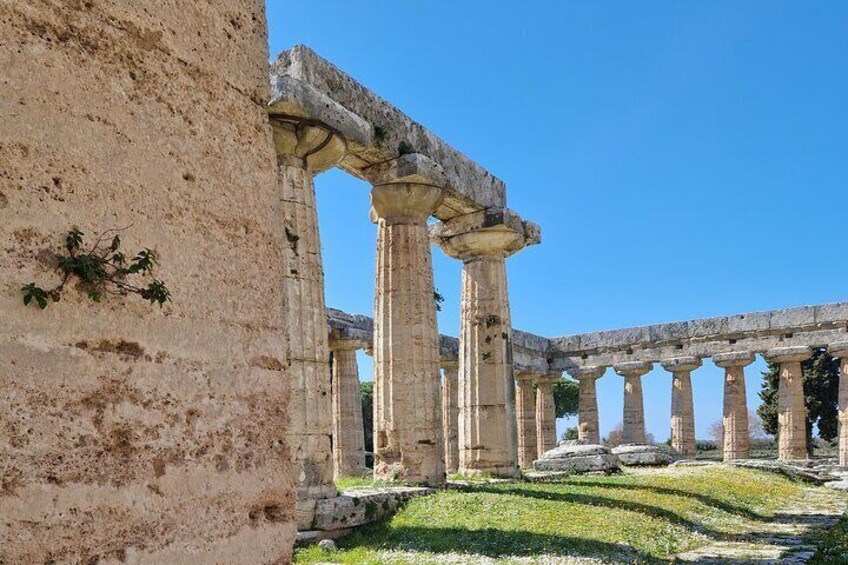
{"x":102,"y":269}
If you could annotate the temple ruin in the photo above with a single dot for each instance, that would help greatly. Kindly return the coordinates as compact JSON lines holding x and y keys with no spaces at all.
{"x":214,"y":429}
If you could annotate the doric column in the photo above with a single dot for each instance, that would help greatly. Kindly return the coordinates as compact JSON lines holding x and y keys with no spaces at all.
{"x":546,"y":436}
{"x":791,"y":412}
{"x":348,"y":429}
{"x":634,"y":408}
{"x":525,"y":415}
{"x":304,"y":149}
{"x":682,"y":405}
{"x":450,"y":415}
{"x":487,"y":423}
{"x":408,"y":444}
{"x":840,"y":350}
{"x":588,"y":427}
{"x":737,"y":440}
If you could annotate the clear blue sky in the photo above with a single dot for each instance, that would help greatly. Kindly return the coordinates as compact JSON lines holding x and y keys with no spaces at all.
{"x":684,"y":159}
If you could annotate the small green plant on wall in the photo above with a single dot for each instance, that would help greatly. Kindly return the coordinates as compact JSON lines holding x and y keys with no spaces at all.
{"x":102,"y":269}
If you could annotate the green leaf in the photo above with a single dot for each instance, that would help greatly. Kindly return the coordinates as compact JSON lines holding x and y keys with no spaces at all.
{"x":42,"y":302}
{"x":116,"y":243}
{"x":27,"y":299}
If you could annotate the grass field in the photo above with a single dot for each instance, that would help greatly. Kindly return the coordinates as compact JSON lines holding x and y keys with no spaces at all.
{"x":645,"y":517}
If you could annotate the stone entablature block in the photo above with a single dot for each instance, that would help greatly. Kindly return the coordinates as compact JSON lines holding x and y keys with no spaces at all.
{"x":304,"y":83}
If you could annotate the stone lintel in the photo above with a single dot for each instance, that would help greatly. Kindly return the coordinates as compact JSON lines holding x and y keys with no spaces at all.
{"x":733,"y":359}
{"x":391,"y":131}
{"x":339,"y":342}
{"x":292,"y":99}
{"x":633,"y":368}
{"x":788,"y":354}
{"x":839,"y":349}
{"x":682,"y":364}
{"x":494,"y":231}
{"x":587,"y":372}
{"x":525,"y":376}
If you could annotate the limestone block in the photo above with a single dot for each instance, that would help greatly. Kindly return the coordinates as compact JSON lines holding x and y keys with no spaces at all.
{"x":753,"y":322}
{"x":831,"y":313}
{"x":641,"y":455}
{"x":363,"y":506}
{"x":578,"y":458}
{"x":793,"y":317}
{"x":668,"y":332}
{"x":472,"y":187}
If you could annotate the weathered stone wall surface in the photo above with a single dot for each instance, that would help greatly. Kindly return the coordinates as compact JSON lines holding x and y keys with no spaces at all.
{"x":130,"y":433}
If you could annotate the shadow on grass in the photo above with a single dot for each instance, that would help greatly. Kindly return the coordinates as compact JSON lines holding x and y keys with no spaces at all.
{"x":702,"y":498}
{"x":493,"y":543}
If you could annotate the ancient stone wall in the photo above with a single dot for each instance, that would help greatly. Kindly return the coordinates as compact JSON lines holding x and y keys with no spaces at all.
{"x":129,"y":432}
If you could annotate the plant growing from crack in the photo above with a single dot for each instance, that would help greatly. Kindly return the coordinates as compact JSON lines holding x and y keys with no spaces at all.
{"x":439,"y":298}
{"x":102,"y":269}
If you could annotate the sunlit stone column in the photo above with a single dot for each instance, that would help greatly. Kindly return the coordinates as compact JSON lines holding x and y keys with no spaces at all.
{"x":450,"y":415}
{"x":840,"y":350}
{"x":634,"y":408}
{"x":791,"y":412}
{"x":588,"y":428}
{"x":348,"y":429}
{"x":408,"y":443}
{"x":487,"y":423}
{"x":525,"y":414}
{"x":737,"y":440}
{"x":546,"y":436}
{"x":302,"y":151}
{"x":682,"y":404}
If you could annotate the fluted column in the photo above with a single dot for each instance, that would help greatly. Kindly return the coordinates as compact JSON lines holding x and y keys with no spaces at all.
{"x":348,"y":429}
{"x":488,"y":441}
{"x":302,"y":151}
{"x":546,"y":436}
{"x":634,"y":408}
{"x":450,"y":415}
{"x":840,"y":350}
{"x":737,"y":439}
{"x":682,"y":404}
{"x":525,"y":414}
{"x":588,"y":427}
{"x":791,"y":412}
{"x":408,"y":443}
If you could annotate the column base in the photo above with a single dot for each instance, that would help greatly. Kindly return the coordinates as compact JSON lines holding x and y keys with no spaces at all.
{"x":499,"y":472}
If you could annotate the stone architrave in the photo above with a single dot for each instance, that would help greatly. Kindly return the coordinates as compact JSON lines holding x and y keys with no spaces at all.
{"x":487,"y":424}
{"x":525,"y":413}
{"x":408,"y":442}
{"x":791,"y":412}
{"x":450,"y":415}
{"x":737,"y":440}
{"x":588,"y":428}
{"x":546,"y":436}
{"x":305,"y":148}
{"x":840,"y":350}
{"x":633,"y":431}
{"x":348,"y":428}
{"x":682,"y":404}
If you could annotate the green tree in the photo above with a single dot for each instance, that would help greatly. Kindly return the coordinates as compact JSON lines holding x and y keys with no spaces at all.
{"x":566,"y":393}
{"x":821,"y":390}
{"x":366,"y":394}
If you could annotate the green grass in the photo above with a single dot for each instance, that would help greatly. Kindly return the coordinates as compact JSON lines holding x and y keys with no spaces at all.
{"x":833,"y":545}
{"x":639,"y":518}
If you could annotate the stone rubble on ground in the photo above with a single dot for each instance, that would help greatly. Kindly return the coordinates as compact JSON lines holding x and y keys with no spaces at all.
{"x":572,"y":457}
{"x":639,"y":455}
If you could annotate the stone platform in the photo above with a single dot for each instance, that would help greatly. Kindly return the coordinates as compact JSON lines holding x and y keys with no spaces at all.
{"x":642,"y":455}
{"x":358,"y":507}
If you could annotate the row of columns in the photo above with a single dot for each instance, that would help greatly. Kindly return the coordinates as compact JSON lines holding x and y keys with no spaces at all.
{"x":792,"y":417}
{"x":408,"y":419}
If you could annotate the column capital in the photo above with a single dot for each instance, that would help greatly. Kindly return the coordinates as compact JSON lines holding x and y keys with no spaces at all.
{"x":590,"y":372}
{"x":304,"y":143}
{"x":788,"y":354}
{"x":526,"y":377}
{"x":633,"y":368}
{"x":406,"y":190}
{"x":548,"y":379}
{"x":494,"y":232}
{"x":733,"y":359}
{"x":839,"y":349}
{"x":681,"y":364}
